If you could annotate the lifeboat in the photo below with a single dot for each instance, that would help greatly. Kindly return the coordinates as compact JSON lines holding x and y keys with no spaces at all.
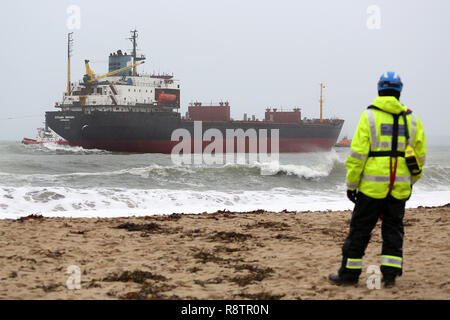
{"x":166,"y":97}
{"x":344,"y":143}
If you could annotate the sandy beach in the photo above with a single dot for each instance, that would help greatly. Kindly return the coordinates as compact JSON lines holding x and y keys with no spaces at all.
{"x":224,"y":255}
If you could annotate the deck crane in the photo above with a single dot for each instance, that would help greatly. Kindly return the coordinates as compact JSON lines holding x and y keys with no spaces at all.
{"x":90,"y":76}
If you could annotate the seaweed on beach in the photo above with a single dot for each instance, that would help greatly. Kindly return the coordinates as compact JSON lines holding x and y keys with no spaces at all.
{"x":151,"y":292}
{"x":51,"y":254}
{"x":193,"y":233}
{"x":216,"y":280}
{"x":37,"y":217}
{"x":170,"y":217}
{"x":287,"y":211}
{"x":230,"y":236}
{"x":224,"y":249}
{"x":205,"y":257}
{"x":149,"y":227}
{"x":136,"y":276}
{"x":260,"y":296}
{"x":77,"y":231}
{"x":409,"y":222}
{"x":251,"y":268}
{"x":258,"y":211}
{"x":194,"y":269}
{"x":285,"y":237}
{"x":256,"y":274}
{"x":276,"y":226}
{"x":49,"y":288}
{"x":20,"y":258}
{"x":225,"y":211}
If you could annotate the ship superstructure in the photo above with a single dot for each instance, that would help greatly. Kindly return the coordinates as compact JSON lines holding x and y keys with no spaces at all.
{"x":122,"y":88}
{"x":120,"y":93}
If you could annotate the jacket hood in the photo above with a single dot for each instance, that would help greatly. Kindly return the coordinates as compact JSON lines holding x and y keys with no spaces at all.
{"x":389,"y":104}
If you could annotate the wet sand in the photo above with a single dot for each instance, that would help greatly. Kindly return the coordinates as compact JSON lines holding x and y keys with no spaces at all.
{"x":225,"y":255}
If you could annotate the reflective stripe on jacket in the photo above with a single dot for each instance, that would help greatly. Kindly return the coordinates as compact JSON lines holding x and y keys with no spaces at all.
{"x":371,"y":175}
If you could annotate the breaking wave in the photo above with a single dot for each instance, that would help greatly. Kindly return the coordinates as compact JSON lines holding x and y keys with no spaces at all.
{"x":114,"y":202}
{"x":54,"y":148}
{"x":311,"y":171}
{"x":60,"y":201}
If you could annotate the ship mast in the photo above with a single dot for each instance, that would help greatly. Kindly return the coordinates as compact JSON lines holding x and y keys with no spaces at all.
{"x":69,"y":53}
{"x":134,"y":36}
{"x":321,"y":102}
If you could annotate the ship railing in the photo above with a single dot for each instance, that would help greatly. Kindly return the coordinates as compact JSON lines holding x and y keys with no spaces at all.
{"x":317,"y":121}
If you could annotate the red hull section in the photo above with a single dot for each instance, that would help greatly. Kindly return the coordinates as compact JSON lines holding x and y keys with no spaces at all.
{"x":286,"y":145}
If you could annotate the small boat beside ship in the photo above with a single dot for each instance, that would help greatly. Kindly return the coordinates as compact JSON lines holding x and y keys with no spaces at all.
{"x":44,"y":135}
{"x":344,"y":143}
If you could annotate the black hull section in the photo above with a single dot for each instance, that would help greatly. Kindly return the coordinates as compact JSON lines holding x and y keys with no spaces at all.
{"x":151,"y":132}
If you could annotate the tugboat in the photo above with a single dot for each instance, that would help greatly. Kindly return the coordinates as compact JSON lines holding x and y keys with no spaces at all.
{"x":344,"y":143}
{"x":44,"y":135}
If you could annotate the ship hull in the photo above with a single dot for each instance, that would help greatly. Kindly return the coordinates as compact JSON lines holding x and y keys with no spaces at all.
{"x":153,"y":132}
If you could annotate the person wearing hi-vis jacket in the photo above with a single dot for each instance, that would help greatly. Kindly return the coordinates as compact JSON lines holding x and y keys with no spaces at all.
{"x":386,"y":158}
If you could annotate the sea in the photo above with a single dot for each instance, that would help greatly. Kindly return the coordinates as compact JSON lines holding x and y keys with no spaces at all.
{"x":62,"y":181}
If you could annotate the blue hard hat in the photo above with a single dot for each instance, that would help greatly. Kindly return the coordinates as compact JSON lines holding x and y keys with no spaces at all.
{"x":390,"y":80}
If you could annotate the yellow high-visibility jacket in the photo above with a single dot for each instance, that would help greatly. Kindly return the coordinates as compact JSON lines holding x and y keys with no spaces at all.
{"x":371,"y":175}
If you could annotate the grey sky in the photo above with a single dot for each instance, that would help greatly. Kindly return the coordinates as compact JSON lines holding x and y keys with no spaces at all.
{"x":253,"y":53}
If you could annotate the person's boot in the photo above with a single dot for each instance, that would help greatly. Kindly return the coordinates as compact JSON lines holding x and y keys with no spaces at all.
{"x":342,"y":280}
{"x":389,"y":281}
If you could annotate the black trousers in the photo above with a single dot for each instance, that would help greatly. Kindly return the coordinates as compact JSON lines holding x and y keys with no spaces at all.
{"x":364,"y":218}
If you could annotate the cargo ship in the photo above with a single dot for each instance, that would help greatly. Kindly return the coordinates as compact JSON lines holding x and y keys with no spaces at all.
{"x":126,"y":111}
